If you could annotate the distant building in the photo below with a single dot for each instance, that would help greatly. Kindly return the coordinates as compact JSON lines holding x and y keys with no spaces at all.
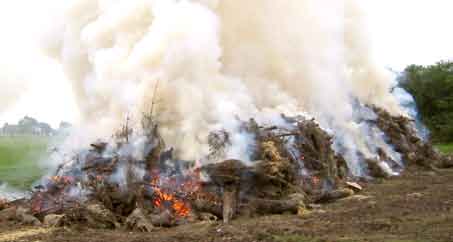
{"x":30,"y":126}
{"x":10,"y":130}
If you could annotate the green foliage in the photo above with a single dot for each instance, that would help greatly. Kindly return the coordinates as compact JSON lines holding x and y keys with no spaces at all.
{"x":19,"y":158}
{"x":445,"y":148}
{"x":432,"y":88}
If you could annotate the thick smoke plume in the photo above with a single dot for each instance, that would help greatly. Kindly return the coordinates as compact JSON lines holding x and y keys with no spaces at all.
{"x":214,"y":62}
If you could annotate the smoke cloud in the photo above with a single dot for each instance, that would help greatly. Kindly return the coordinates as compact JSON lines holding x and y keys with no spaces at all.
{"x":213,"y":61}
{"x":13,"y":86}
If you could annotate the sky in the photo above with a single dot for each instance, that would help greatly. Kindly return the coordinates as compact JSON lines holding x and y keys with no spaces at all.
{"x":402,"y":32}
{"x":405,"y":32}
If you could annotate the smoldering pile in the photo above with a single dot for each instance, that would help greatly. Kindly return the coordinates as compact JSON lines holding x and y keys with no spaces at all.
{"x":292,"y":166}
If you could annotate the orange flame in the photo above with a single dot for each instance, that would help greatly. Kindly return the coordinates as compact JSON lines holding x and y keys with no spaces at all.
{"x":162,"y":199}
{"x":179,"y":207}
{"x":62,"y":179}
{"x":189,"y":188}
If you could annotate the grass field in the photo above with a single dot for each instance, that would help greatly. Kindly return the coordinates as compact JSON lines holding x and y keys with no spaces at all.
{"x":445,"y":148}
{"x":19,"y":158}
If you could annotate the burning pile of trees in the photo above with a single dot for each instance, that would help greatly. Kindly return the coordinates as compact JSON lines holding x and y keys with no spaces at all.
{"x":295,"y":165}
{"x":415,"y":151}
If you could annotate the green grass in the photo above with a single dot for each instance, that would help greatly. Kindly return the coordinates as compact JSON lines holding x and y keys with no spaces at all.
{"x":445,"y":148}
{"x":19,"y":160}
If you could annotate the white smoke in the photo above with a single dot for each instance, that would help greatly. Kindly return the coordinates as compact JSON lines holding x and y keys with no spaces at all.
{"x":214,"y":61}
{"x":9,"y":193}
{"x":13,"y":86}
{"x":407,"y":101}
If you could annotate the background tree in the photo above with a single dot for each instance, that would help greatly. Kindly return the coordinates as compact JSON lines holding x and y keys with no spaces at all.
{"x":432,"y":88}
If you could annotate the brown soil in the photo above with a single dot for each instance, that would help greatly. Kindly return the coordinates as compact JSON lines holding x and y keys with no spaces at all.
{"x":415,"y":207}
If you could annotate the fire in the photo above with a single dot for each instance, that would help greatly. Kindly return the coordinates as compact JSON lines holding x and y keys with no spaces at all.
{"x":164,"y":199}
{"x":62,"y":179}
{"x":167,"y":200}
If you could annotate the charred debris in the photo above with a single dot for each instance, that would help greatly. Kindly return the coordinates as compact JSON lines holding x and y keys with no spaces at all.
{"x":293,"y":168}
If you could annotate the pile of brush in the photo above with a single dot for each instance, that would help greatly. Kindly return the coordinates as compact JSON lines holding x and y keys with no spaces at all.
{"x":294,"y":165}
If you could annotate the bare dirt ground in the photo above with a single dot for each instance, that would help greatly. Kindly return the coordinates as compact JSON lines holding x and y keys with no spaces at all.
{"x":415,"y":207}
